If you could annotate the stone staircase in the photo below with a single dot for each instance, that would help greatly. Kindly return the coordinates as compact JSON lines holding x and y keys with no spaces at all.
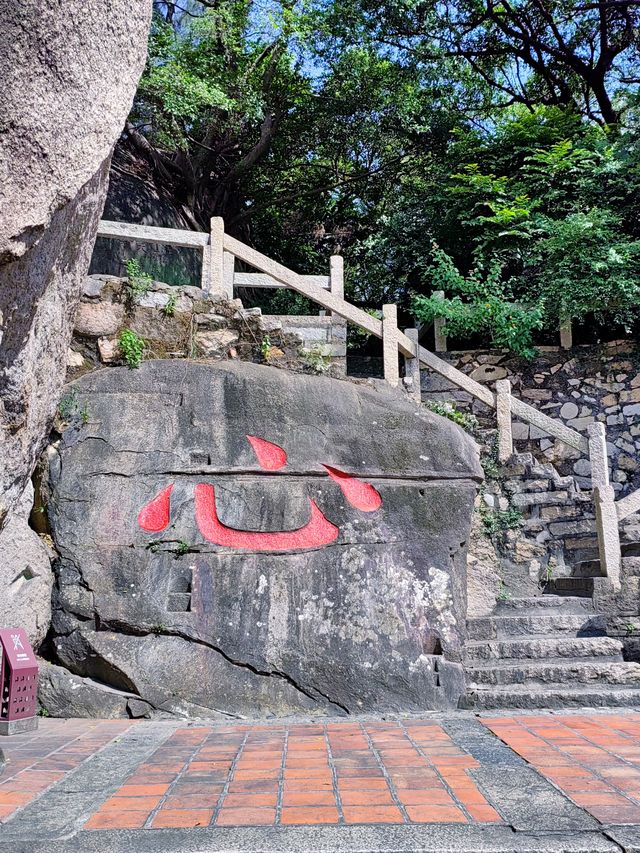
{"x":548,"y":651}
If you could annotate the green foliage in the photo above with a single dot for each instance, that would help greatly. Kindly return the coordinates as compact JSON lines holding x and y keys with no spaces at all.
{"x":68,"y":406}
{"x":315,"y":361}
{"x":503,"y":593}
{"x":138,"y":282}
{"x":465,"y":420}
{"x":69,"y":409}
{"x":423,"y":146}
{"x":132,"y":348}
{"x":170,"y":308}
{"x":488,"y":308}
{"x":265,"y":346}
{"x":498,"y":520}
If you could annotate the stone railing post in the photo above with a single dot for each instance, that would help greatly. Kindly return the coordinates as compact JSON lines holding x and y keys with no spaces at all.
{"x":390,"y":344}
{"x":336,"y":275}
{"x":229,"y":271}
{"x":440,"y":340}
{"x":503,"y":414}
{"x":412,"y":367}
{"x":216,"y":257}
{"x":566,"y":335}
{"x":605,"y":505}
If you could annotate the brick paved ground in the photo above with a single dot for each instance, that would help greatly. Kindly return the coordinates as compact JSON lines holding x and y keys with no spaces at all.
{"x":305,"y":774}
{"x":594,"y":760}
{"x":573,"y":778}
{"x":39,"y":759}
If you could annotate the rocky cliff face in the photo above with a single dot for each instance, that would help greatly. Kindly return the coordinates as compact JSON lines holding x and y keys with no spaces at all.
{"x":239,"y":540}
{"x":69,"y":72}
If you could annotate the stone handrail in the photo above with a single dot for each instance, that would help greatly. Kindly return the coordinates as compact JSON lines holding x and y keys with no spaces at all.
{"x":219,"y":253}
{"x":628,"y":505}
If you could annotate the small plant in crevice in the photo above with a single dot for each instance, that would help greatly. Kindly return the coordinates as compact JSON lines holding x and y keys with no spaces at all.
{"x":68,"y":406}
{"x":42,"y":712}
{"x":629,"y":629}
{"x":503,"y":592}
{"x":131,"y":348}
{"x":489,"y":462}
{"x":498,"y":520}
{"x":547,"y":574}
{"x":314,"y":360}
{"x":170,"y":308}
{"x":447,"y":410}
{"x":69,"y":409}
{"x":265,"y":346}
{"x":138,"y":282}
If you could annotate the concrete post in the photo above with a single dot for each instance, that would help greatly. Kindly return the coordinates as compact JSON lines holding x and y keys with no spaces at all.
{"x":503,"y":414}
{"x":390,"y":344}
{"x":608,"y":533}
{"x":566,"y":335}
{"x":598,"y":455}
{"x":216,"y":256}
{"x":440,"y":343}
{"x":336,"y":275}
{"x":605,"y":506}
{"x":412,"y":367}
{"x":229,"y":271}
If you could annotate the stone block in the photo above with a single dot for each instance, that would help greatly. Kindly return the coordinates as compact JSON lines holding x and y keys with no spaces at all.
{"x":98,"y":319}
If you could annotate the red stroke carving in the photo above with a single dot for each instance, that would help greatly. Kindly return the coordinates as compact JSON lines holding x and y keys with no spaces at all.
{"x":316,"y":532}
{"x":154,"y":516}
{"x":270,"y":456}
{"x":360,"y":495}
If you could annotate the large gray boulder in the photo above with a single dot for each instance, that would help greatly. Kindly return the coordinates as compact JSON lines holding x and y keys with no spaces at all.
{"x":196,"y":572}
{"x":69,"y":72}
{"x":26,"y":578}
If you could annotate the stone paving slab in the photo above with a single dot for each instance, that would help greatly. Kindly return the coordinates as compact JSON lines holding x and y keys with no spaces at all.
{"x":444,"y":782}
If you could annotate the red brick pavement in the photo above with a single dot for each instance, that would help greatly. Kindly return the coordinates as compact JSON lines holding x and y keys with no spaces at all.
{"x":39,"y":759}
{"x":338,"y":773}
{"x":594,"y":760}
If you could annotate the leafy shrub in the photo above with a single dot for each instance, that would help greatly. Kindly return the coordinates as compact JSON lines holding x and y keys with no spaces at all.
{"x":170,"y":308}
{"x":467,"y":421}
{"x":138,"y":282}
{"x":132,"y":348}
{"x":315,"y":361}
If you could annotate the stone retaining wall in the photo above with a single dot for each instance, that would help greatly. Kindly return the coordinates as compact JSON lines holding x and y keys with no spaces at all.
{"x":549,"y":482}
{"x":185,"y":322}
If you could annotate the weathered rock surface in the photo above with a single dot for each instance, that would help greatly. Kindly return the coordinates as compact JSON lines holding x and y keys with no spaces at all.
{"x":69,"y":72}
{"x":270,"y":620}
{"x":483,"y":571}
{"x":26,"y":578}
{"x":63,"y":694}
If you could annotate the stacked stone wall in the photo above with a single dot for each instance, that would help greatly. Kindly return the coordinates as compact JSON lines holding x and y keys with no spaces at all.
{"x":185,"y":322}
{"x":547,"y":482}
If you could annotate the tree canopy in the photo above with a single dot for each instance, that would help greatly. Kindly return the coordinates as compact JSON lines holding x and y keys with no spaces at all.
{"x":487,"y":148}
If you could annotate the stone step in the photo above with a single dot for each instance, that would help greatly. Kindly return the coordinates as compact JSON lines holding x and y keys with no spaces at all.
{"x":572,"y":587}
{"x":524,"y":696}
{"x":543,"y":648}
{"x":567,"y":603}
{"x":527,"y":624}
{"x":574,"y":670}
